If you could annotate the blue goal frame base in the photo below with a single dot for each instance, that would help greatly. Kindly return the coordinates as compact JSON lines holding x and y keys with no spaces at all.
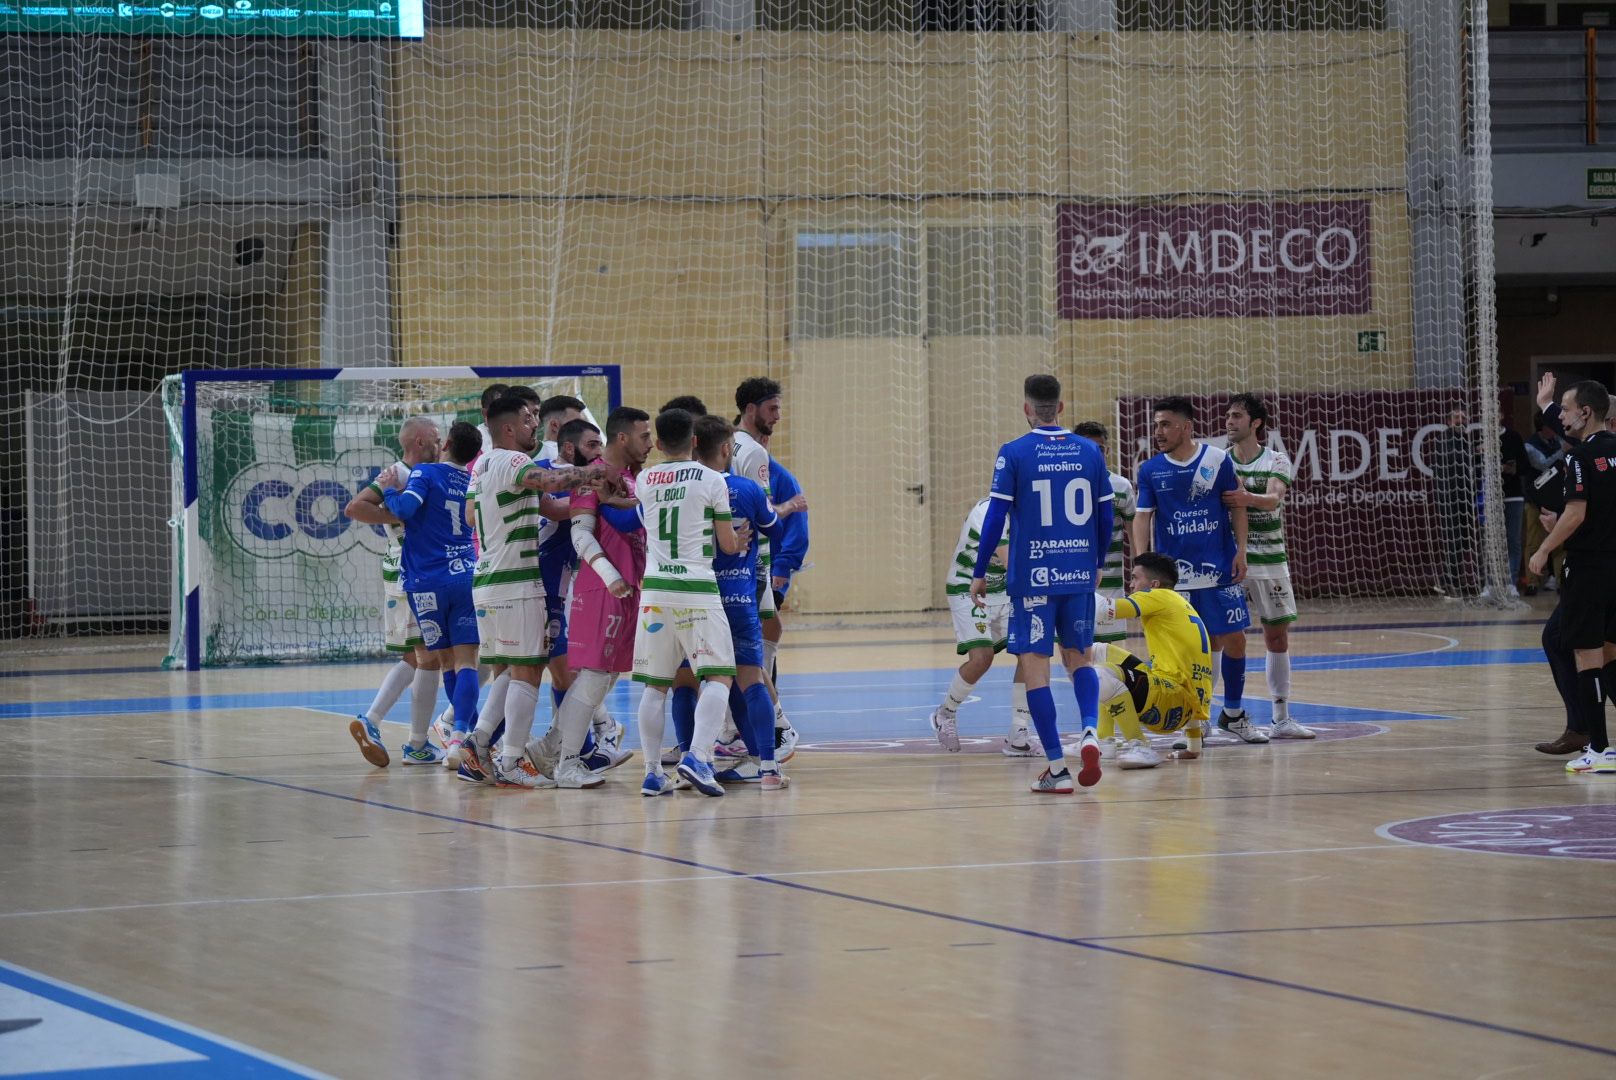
{"x":191,"y":525}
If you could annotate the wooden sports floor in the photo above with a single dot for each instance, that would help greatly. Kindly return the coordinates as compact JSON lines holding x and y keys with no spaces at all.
{"x":206,"y":857}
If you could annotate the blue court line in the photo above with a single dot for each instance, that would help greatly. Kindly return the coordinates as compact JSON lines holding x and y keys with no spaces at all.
{"x":223,"y":1059}
{"x":1038,"y":935}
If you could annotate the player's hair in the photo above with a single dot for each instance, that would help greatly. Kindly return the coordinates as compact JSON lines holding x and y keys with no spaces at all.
{"x":1176,"y":404}
{"x":505,"y":406}
{"x":621,"y":421}
{"x":711,"y":432}
{"x":690,"y":403}
{"x":408,"y":427}
{"x":526,"y":393}
{"x":1091,"y":429}
{"x":673,"y":428}
{"x":573,"y":430}
{"x":465,"y":442}
{"x":1255,"y":408}
{"x":1158,"y":566}
{"x":493,"y":393}
{"x":755,"y":391}
{"x":1043,"y":394}
{"x":1589,"y":394}
{"x":555,"y":406}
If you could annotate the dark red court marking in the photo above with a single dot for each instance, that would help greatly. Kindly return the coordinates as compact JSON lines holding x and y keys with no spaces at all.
{"x":1555,"y":832}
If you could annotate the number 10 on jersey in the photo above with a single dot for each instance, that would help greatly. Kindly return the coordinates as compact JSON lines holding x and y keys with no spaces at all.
{"x":1077,"y":500}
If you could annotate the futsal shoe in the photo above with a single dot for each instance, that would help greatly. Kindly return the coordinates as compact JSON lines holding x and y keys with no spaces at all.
{"x":1053,"y":783}
{"x":1597,"y":762}
{"x":1137,"y":755}
{"x":573,"y":773}
{"x":369,"y":738}
{"x":545,"y":753}
{"x":611,"y":731}
{"x":1290,"y":729}
{"x":774,"y":780}
{"x":1088,"y":752}
{"x":946,"y":728}
{"x":443,"y":728}
{"x":742,"y":772}
{"x":605,"y":756}
{"x":425,"y":754}
{"x":671,"y":756}
{"x":1019,"y":744}
{"x":477,"y":760}
{"x":1241,"y":727}
{"x":521,"y":773}
{"x":733,"y":748}
{"x":785,"y":742}
{"x":655,"y":784}
{"x":1110,"y":748}
{"x":699,"y":774}
{"x":454,"y":750}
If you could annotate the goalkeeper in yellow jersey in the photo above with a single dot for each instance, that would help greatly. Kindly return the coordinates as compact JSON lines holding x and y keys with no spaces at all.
{"x":1173,"y":692}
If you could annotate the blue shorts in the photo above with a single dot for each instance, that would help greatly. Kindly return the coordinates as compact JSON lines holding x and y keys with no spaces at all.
{"x":555,"y":614}
{"x":746,"y":632}
{"x":1221,"y":608}
{"x":446,"y":616}
{"x":1036,"y":622}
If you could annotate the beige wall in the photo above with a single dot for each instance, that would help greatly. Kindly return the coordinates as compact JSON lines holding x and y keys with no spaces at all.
{"x":690,"y":158}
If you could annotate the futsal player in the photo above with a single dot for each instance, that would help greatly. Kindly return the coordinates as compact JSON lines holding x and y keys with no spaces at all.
{"x":1055,"y":485}
{"x":554,"y":413}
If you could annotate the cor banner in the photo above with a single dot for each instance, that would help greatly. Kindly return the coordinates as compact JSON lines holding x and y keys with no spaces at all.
{"x":1374,"y":506}
{"x":1213,"y":260}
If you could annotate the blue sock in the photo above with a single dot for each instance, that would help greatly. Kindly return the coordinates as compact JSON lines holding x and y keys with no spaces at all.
{"x":684,"y":715}
{"x":556,"y":697}
{"x":1041,"y":703}
{"x":463,"y":696}
{"x":760,"y":711}
{"x":1234,"y":681}
{"x":589,"y":744}
{"x":743,"y":718}
{"x":1086,"y":685}
{"x":448,"y":692}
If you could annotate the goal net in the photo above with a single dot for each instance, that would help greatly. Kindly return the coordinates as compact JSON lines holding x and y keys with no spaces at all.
{"x":266,"y":565}
{"x":897,"y":208}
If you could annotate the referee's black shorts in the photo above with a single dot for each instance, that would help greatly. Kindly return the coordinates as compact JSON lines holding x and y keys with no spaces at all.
{"x":1588,"y":602}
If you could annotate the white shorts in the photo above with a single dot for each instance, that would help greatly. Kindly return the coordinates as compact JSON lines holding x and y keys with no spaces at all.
{"x":512,"y":631}
{"x":1271,"y":599}
{"x":667,"y":636}
{"x":398,"y":624}
{"x":978,"y":627}
{"x":1107,"y":627}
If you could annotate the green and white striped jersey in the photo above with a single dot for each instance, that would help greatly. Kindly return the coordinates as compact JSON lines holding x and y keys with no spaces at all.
{"x":392,"y":576}
{"x":1265,"y":543}
{"x":963,"y":567}
{"x":1122,"y":504}
{"x":510,"y":528}
{"x":679,"y":503}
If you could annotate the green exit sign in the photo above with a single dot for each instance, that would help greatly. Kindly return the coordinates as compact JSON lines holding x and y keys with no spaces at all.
{"x":1601,"y":184}
{"x":1371,"y":341}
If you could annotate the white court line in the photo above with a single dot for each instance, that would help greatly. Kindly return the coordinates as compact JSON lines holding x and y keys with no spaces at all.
{"x":228,"y":901}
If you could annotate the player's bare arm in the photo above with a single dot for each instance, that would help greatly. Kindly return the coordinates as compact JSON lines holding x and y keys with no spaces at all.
{"x":1242,"y":528}
{"x":1569,"y":522}
{"x":367,"y":509}
{"x":556,"y":509}
{"x":1141,"y":530}
{"x":731,"y":540}
{"x":1271,"y":499}
{"x":794,"y":505}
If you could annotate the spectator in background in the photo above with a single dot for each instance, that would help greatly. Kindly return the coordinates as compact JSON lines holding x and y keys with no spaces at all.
{"x":1453,"y":462}
{"x":1516,"y":468}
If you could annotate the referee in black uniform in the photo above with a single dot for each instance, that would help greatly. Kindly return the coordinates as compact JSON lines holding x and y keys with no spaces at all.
{"x":1587,"y":529}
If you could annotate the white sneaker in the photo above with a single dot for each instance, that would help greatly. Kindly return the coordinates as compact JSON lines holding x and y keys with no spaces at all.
{"x":545,"y":753}
{"x":443,"y":728}
{"x":729,"y":749}
{"x":1110,"y":748}
{"x":671,"y":755}
{"x":785,"y":743}
{"x":1137,"y":755}
{"x":1241,"y":727}
{"x":946,"y":727}
{"x":1599,"y":762}
{"x":611,"y":731}
{"x":456,"y":752}
{"x":1290,"y":729}
{"x":573,"y":773}
{"x":1088,"y":752}
{"x":1019,"y":744}
{"x":520,"y":773}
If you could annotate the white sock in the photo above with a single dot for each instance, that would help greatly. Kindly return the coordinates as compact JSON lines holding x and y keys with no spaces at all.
{"x":958,"y":691}
{"x":1279,"y":684}
{"x":710,"y":709}
{"x":521,"y":703}
{"x":1021,"y":716}
{"x":494,"y":710}
{"x":603,"y":717}
{"x":771,"y":650}
{"x":653,"y":717}
{"x":1217,"y":669}
{"x":423,"y":696}
{"x":587,"y":691}
{"x":485,"y":672}
{"x":397,"y":678}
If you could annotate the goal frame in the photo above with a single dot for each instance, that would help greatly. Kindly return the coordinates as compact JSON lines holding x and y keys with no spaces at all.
{"x":190,"y":533}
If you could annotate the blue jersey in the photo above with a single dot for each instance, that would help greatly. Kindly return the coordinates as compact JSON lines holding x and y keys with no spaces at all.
{"x":737,"y":574}
{"x":1054,"y":482}
{"x":437,"y":541}
{"x":1191,"y":523}
{"x":786,"y":555}
{"x":556,"y":553}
